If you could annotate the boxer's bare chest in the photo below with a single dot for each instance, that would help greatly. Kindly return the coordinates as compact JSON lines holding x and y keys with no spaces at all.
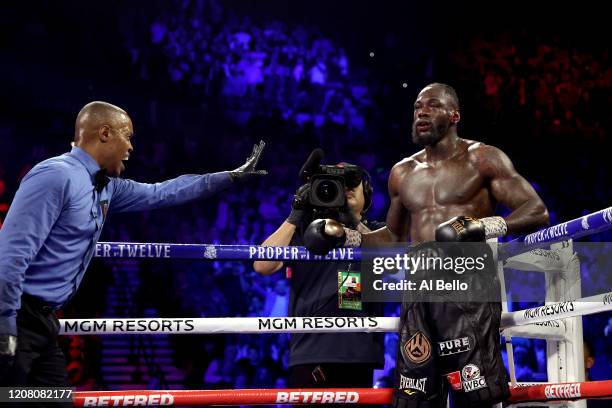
{"x":454,"y":182}
{"x":433,"y":193}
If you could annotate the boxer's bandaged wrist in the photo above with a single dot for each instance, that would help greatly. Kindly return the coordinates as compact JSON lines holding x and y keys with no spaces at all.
{"x":362,"y":228}
{"x":494,"y":226}
{"x":353,"y":238}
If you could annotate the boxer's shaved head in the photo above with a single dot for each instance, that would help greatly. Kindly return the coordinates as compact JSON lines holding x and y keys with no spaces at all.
{"x":448,"y":91}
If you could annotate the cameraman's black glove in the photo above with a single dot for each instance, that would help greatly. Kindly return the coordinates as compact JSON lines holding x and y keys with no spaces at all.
{"x":8,"y":347}
{"x":249,"y":169}
{"x":299,"y":205}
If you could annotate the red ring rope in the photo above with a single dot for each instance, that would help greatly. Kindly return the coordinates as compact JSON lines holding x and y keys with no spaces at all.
{"x":540,"y":392}
{"x":563,"y":391}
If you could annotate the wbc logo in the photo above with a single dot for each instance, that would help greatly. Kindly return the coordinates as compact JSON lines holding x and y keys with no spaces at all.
{"x":471,"y":378}
{"x":470,"y":372}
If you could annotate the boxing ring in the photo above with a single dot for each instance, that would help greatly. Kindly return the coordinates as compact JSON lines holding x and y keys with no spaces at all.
{"x":558,"y":322}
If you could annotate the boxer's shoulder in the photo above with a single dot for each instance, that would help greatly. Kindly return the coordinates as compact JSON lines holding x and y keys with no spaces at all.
{"x":490,"y":160}
{"x":482,"y":150}
{"x":401,"y":169}
{"x":409,"y":163}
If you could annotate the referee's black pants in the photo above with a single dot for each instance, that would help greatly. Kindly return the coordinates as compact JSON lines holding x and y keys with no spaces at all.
{"x":39,"y":361}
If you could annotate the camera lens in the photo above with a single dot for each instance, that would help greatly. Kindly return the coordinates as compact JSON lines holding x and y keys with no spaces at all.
{"x":327,"y":191}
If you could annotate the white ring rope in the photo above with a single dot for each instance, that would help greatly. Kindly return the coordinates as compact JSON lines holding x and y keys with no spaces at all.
{"x":550,"y":312}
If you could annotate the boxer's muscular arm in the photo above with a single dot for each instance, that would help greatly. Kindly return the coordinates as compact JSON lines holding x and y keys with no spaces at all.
{"x":398,"y":219}
{"x":511,"y":190}
{"x":281,"y":237}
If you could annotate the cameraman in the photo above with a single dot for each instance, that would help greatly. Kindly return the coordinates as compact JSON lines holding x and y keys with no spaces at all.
{"x":327,"y":360}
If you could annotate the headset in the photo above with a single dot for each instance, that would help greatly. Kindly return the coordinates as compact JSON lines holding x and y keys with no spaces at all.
{"x":368,"y":190}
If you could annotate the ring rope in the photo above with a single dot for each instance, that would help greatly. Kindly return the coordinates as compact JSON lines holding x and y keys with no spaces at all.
{"x":558,"y":310}
{"x":541,"y":392}
{"x":218,"y":325}
{"x":576,"y":228}
{"x":586,"y":225}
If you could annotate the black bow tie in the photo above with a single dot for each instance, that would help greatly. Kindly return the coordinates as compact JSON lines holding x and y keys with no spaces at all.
{"x":100,"y":180}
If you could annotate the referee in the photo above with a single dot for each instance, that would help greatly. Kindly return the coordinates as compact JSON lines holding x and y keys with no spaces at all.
{"x":53,"y":225}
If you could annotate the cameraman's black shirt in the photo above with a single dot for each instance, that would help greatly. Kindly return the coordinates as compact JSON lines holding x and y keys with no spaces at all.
{"x":314,"y":292}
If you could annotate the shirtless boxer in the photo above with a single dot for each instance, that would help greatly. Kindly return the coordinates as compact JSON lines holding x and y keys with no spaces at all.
{"x":446,"y":192}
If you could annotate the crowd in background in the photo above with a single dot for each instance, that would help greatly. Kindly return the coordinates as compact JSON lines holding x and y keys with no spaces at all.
{"x":256,"y":69}
{"x":296,"y":88}
{"x":554,"y":83}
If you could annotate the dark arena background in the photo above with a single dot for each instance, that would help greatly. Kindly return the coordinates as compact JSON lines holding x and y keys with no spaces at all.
{"x":203,"y":80}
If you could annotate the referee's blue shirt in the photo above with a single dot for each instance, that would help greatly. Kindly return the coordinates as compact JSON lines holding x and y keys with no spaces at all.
{"x":55,"y":220}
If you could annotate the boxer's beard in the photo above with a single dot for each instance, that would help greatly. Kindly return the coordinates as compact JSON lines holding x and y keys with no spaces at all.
{"x":432,"y":136}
